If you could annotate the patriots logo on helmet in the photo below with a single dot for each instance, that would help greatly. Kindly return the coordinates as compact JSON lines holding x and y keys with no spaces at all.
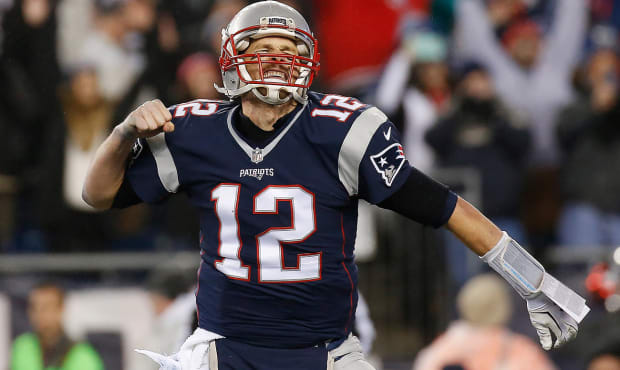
{"x":276,"y":20}
{"x":388,"y":162}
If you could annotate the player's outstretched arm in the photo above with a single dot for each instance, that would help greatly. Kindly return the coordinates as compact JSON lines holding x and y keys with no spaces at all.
{"x":106,"y":172}
{"x":555,"y":310}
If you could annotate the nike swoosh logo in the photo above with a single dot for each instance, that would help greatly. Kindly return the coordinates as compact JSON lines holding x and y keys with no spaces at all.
{"x":387,"y":134}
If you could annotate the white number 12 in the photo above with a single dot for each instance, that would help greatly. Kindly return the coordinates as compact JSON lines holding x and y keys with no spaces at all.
{"x":270,"y":255}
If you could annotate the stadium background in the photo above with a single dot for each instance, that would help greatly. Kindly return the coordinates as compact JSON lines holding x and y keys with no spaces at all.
{"x":72,"y":69}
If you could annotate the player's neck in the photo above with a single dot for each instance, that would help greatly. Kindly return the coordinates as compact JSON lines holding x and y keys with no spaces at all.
{"x":264,"y":115}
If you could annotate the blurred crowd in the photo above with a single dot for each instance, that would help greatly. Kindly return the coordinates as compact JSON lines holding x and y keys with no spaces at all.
{"x":518,"y":98}
{"x":521,"y":92}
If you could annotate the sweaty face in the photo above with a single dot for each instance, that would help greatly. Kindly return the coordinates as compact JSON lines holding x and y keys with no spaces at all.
{"x":272,"y":71}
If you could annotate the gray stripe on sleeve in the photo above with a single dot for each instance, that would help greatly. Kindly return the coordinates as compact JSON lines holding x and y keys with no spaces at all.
{"x":354,"y":146}
{"x":166,"y":169}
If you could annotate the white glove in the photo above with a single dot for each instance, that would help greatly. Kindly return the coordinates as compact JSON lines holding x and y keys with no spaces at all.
{"x":554,"y":326}
{"x":555,"y":310}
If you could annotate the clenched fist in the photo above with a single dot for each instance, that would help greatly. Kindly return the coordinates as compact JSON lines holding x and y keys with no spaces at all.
{"x":149,"y":119}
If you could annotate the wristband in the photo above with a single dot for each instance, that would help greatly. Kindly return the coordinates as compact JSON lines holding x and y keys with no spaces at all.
{"x":530,"y":279}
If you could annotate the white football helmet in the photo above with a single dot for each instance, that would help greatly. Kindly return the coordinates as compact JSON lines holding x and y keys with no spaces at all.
{"x":262,"y":19}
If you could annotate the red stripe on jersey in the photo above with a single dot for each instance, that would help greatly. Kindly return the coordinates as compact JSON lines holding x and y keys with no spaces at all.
{"x":347,"y":270}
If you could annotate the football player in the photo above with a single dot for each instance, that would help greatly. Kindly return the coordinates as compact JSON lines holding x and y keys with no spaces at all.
{"x":276,"y":173}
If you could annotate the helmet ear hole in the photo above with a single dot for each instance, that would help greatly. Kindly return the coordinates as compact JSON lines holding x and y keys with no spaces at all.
{"x":243,"y":44}
{"x":302,"y":49}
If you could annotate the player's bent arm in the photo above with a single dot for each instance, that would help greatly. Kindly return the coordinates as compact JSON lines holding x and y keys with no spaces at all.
{"x":106,"y":172}
{"x":105,"y":175}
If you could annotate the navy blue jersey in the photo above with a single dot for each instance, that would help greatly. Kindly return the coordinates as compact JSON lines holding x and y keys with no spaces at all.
{"x":277,"y":222}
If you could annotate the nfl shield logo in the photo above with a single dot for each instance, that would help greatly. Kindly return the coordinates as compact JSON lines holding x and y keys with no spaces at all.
{"x":257,"y":155}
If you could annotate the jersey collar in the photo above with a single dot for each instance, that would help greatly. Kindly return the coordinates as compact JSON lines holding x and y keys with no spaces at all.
{"x":257,"y":154}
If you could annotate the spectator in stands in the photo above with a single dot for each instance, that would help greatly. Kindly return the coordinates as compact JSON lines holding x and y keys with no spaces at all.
{"x":27,"y":101}
{"x":531,"y":70}
{"x":48,"y":346}
{"x":156,"y":38}
{"x":132,"y":27}
{"x":88,"y":120}
{"x":196,"y":75}
{"x":28,"y":84}
{"x":481,"y":340}
{"x":69,"y":223}
{"x":588,"y":132}
{"x":430,"y":72}
{"x":108,"y":47}
{"x":188,"y":17}
{"x":413,"y":89}
{"x":479,"y":132}
{"x":221,"y":13}
{"x":532,"y":66}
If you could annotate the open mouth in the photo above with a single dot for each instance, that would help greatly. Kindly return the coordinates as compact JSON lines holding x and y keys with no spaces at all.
{"x":275,"y":75}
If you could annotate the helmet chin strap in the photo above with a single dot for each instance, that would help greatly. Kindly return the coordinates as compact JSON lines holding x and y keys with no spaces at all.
{"x":265,"y":98}
{"x":273,"y":92}
{"x":273,"y":95}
